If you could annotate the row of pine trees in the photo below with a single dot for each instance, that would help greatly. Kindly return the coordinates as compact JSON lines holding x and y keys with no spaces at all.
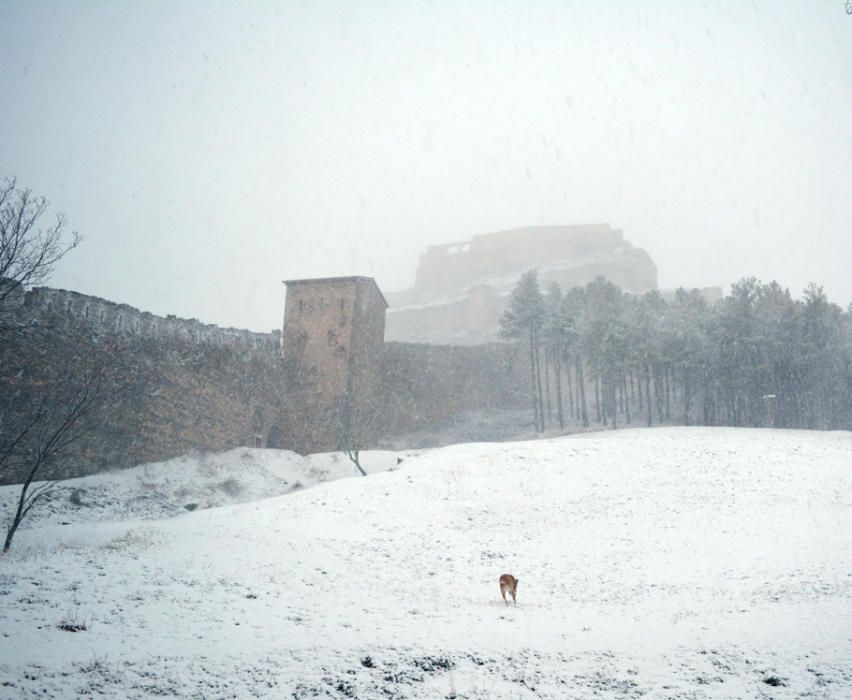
{"x":757,"y":357}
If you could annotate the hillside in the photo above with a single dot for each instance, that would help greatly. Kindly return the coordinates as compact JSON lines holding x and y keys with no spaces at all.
{"x":461,"y":288}
{"x":677,"y":562}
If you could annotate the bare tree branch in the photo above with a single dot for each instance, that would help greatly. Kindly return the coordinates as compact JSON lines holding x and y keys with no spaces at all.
{"x":352,"y":428}
{"x":28,"y":253}
{"x":50,"y":408}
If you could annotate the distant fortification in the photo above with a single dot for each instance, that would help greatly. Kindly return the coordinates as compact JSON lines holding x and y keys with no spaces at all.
{"x":461,"y":289}
{"x":215,"y":388}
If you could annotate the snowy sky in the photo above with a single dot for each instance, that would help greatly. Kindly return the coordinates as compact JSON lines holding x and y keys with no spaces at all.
{"x":207,"y":151}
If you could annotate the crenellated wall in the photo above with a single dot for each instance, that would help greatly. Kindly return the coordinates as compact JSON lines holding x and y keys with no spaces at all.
{"x":207,"y":388}
{"x":63,"y":306}
{"x":213,"y":388}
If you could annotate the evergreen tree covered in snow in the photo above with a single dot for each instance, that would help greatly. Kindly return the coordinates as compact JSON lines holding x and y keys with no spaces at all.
{"x":523,"y":319}
{"x":758,"y":357}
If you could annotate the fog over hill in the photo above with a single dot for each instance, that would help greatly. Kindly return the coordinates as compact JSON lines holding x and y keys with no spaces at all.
{"x":462,"y":288}
{"x":208,"y":151}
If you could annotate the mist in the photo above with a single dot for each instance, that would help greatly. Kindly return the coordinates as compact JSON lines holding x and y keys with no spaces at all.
{"x":208,"y":153}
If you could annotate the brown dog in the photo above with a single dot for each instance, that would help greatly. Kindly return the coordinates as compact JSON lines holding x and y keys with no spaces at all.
{"x":509,"y":583}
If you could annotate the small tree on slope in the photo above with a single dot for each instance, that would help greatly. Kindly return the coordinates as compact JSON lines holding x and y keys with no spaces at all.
{"x":45,"y":409}
{"x":350,"y":422}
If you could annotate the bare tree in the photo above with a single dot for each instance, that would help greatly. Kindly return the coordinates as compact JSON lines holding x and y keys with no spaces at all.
{"x":351,"y":424}
{"x":28,"y":253}
{"x":45,"y":406}
{"x":44,"y":410}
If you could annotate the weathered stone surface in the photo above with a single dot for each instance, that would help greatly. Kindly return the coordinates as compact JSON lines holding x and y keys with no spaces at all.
{"x":424,"y":384}
{"x":461,"y":289}
{"x":332,"y":346}
{"x":63,"y":308}
{"x":206,"y":388}
{"x":195,"y":397}
{"x":209,"y":388}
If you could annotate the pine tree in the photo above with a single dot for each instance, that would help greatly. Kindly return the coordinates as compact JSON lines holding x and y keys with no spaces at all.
{"x":523,"y":319}
{"x":555,"y":332}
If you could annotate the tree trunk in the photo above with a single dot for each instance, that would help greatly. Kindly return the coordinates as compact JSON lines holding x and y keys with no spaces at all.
{"x":632,"y":390}
{"x":25,"y":501}
{"x":354,"y":456}
{"x":613,"y":403}
{"x":538,"y":380}
{"x":578,"y":374}
{"x":547,"y":382}
{"x":570,"y":391}
{"x":10,"y":533}
{"x":581,"y":393}
{"x":598,"y":400}
{"x":668,"y":403}
{"x":557,"y":372}
{"x":648,"y":393}
{"x":533,"y":383}
{"x":658,"y":393}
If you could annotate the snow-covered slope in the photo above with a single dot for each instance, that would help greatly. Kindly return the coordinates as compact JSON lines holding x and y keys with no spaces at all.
{"x":194,"y":481}
{"x":667,"y":563}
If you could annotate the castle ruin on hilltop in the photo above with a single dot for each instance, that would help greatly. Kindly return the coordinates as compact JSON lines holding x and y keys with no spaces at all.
{"x":461,"y":289}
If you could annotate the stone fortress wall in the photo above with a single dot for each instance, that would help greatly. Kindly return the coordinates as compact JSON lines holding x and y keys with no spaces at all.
{"x":209,"y":388}
{"x":218,"y":388}
{"x":61,"y":305}
{"x":423,"y":386}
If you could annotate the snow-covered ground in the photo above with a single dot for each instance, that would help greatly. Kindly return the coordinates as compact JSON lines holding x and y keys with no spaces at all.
{"x":669,"y":563}
{"x":194,"y":481}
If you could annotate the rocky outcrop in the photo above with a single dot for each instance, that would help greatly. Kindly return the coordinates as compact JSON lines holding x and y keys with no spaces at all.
{"x":461,"y":289}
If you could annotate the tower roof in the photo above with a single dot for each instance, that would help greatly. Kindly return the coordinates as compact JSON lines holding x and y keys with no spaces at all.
{"x":335,"y":280}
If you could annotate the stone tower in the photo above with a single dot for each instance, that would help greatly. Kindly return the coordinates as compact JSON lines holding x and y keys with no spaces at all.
{"x":332,"y":347}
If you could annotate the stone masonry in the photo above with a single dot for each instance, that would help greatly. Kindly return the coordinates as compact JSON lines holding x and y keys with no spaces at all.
{"x":332,"y":346}
{"x":215,"y":388}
